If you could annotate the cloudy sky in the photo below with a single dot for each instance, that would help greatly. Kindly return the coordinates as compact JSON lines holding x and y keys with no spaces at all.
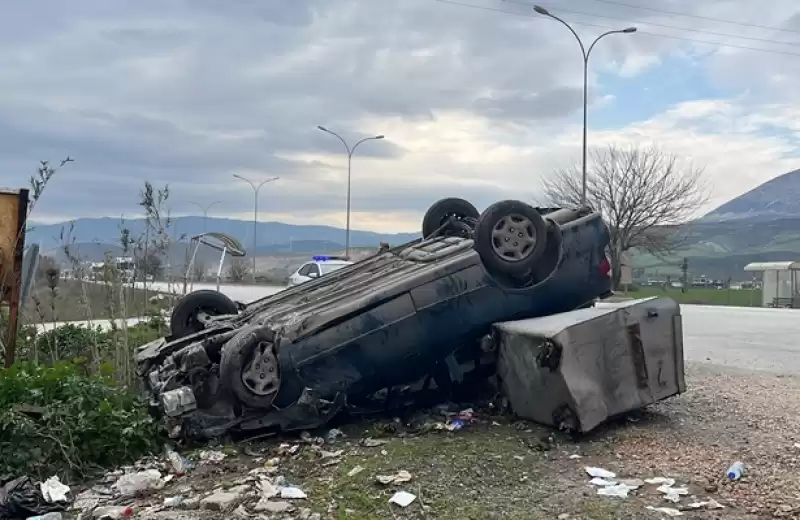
{"x":473,"y":102}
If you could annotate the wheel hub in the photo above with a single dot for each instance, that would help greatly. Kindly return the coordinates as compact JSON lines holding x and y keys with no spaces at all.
{"x":260,"y":375}
{"x":513,"y":238}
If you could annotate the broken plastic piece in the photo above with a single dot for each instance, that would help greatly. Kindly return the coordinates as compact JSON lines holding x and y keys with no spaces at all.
{"x":665,"y":511}
{"x":599,"y":472}
{"x":53,"y":490}
{"x":402,"y":498}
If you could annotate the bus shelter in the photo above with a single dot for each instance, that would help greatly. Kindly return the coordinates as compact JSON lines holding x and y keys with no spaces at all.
{"x":224,"y":243}
{"x":780,"y":283}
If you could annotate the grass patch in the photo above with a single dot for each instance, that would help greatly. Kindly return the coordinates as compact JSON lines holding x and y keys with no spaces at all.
{"x":702,"y":295}
{"x":72,"y":305}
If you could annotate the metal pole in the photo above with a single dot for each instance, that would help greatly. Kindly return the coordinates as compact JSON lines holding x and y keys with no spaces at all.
{"x":347,"y":232}
{"x":350,"y":152}
{"x":256,"y":189}
{"x":204,"y":209}
{"x":586,"y":53}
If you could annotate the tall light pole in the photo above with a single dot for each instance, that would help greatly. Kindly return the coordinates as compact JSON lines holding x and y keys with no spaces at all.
{"x":204,"y":209}
{"x":256,"y":188}
{"x":586,"y":53}
{"x":349,"y":162}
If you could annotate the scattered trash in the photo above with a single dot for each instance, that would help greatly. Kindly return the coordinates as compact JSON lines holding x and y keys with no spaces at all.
{"x":53,"y":490}
{"x":672,"y":494}
{"x":212,"y":456}
{"x":369,"y":442}
{"x":399,"y":478}
{"x":706,"y":504}
{"x":454,"y":425}
{"x":660,"y":480}
{"x":293,"y":493}
{"x":633,"y":483}
{"x":112,"y":512}
{"x":21,"y":498}
{"x":575,"y":456}
{"x":665,"y":511}
{"x":735,"y":471}
{"x":47,"y":516}
{"x":333,"y":434}
{"x":597,"y":481}
{"x":131,"y":484}
{"x":616,"y":490}
{"x":173,"y":501}
{"x":288,"y":449}
{"x":402,"y":499}
{"x":355,"y":471}
{"x":599,"y":472}
{"x":180,"y":465}
{"x":267,"y":489}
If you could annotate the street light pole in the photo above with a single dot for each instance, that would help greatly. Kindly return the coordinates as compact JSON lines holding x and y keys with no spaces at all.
{"x":349,"y":163}
{"x":204,"y":209}
{"x":586,"y":53}
{"x":256,"y":189}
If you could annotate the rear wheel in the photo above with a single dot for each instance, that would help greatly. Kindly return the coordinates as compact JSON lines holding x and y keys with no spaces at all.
{"x":185,"y":316}
{"x":510,"y":237}
{"x":451,"y":217}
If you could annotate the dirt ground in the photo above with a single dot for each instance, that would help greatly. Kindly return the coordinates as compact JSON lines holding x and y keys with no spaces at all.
{"x":501,"y":468}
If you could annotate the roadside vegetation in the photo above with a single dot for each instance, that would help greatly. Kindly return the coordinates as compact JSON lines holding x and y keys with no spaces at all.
{"x":70,"y":405}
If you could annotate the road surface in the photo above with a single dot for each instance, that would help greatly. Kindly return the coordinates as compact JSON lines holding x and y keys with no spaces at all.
{"x":744,"y":337}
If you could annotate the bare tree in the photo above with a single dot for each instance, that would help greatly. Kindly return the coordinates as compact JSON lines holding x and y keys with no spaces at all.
{"x":237,"y":271}
{"x":646,"y":196}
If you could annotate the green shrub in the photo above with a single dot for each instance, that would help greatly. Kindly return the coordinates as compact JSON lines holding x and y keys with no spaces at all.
{"x":56,"y":419}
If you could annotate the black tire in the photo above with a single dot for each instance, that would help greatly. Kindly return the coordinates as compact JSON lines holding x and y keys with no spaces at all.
{"x":438,"y":214}
{"x":237,"y":356}
{"x":184,"y":316}
{"x":496,"y":227}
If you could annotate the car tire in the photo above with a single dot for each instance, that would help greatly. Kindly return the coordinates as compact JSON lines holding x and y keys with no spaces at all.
{"x":238,"y":359}
{"x":510,"y":237}
{"x":440,"y":211}
{"x":183,"y":320}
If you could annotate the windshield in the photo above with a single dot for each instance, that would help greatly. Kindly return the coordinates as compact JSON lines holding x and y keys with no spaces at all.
{"x":329,"y":268}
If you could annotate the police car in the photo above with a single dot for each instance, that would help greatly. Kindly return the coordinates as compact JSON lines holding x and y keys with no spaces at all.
{"x":318,"y":266}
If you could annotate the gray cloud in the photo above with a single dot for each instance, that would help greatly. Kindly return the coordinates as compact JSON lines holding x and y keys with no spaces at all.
{"x":188,"y":91}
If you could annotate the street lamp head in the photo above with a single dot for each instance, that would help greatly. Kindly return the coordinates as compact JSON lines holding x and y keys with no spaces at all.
{"x":379,"y":136}
{"x":629,"y":30}
{"x":541,"y":10}
{"x":322,"y":128}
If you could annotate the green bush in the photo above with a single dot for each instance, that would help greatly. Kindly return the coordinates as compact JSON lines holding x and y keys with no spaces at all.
{"x":56,"y":419}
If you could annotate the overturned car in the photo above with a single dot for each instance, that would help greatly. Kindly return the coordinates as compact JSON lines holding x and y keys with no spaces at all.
{"x":295,"y":359}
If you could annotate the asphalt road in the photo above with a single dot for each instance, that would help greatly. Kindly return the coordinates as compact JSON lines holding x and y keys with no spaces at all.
{"x":743,"y":337}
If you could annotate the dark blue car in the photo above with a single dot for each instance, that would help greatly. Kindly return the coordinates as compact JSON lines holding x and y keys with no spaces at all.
{"x":294,"y":359}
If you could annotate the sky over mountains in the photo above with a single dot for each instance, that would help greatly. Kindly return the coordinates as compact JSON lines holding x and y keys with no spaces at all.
{"x":476,"y":98}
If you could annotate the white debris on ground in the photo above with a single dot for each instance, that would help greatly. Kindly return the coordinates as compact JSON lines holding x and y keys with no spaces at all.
{"x":609,"y":485}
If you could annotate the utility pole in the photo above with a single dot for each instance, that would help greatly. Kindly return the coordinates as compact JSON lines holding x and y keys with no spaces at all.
{"x":204,"y":209}
{"x":256,"y":189}
{"x":349,"y":162}
{"x":586,"y":53}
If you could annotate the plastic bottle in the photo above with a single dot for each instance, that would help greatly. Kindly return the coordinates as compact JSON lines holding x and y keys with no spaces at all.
{"x":48,"y":516}
{"x":112,"y":512}
{"x":736,"y":470}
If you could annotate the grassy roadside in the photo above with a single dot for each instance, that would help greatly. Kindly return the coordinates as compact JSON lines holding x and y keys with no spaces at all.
{"x":701,"y":296}
{"x":69,"y":307}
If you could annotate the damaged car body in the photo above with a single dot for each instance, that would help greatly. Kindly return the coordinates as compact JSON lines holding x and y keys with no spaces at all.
{"x":297,"y":358}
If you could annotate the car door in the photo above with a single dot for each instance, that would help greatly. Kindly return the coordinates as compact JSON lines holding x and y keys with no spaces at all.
{"x":301,"y":275}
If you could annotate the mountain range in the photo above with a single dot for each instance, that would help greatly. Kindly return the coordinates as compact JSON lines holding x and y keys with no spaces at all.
{"x":762,"y":224}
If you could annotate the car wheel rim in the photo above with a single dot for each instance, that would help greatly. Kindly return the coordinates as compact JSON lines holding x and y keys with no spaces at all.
{"x":513,"y":238}
{"x":260,"y":375}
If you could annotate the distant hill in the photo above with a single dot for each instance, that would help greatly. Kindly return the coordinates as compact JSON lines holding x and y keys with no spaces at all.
{"x":778,"y":198}
{"x":272,"y":236}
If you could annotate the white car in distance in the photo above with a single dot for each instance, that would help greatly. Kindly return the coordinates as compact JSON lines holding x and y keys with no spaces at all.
{"x":318,"y":266}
